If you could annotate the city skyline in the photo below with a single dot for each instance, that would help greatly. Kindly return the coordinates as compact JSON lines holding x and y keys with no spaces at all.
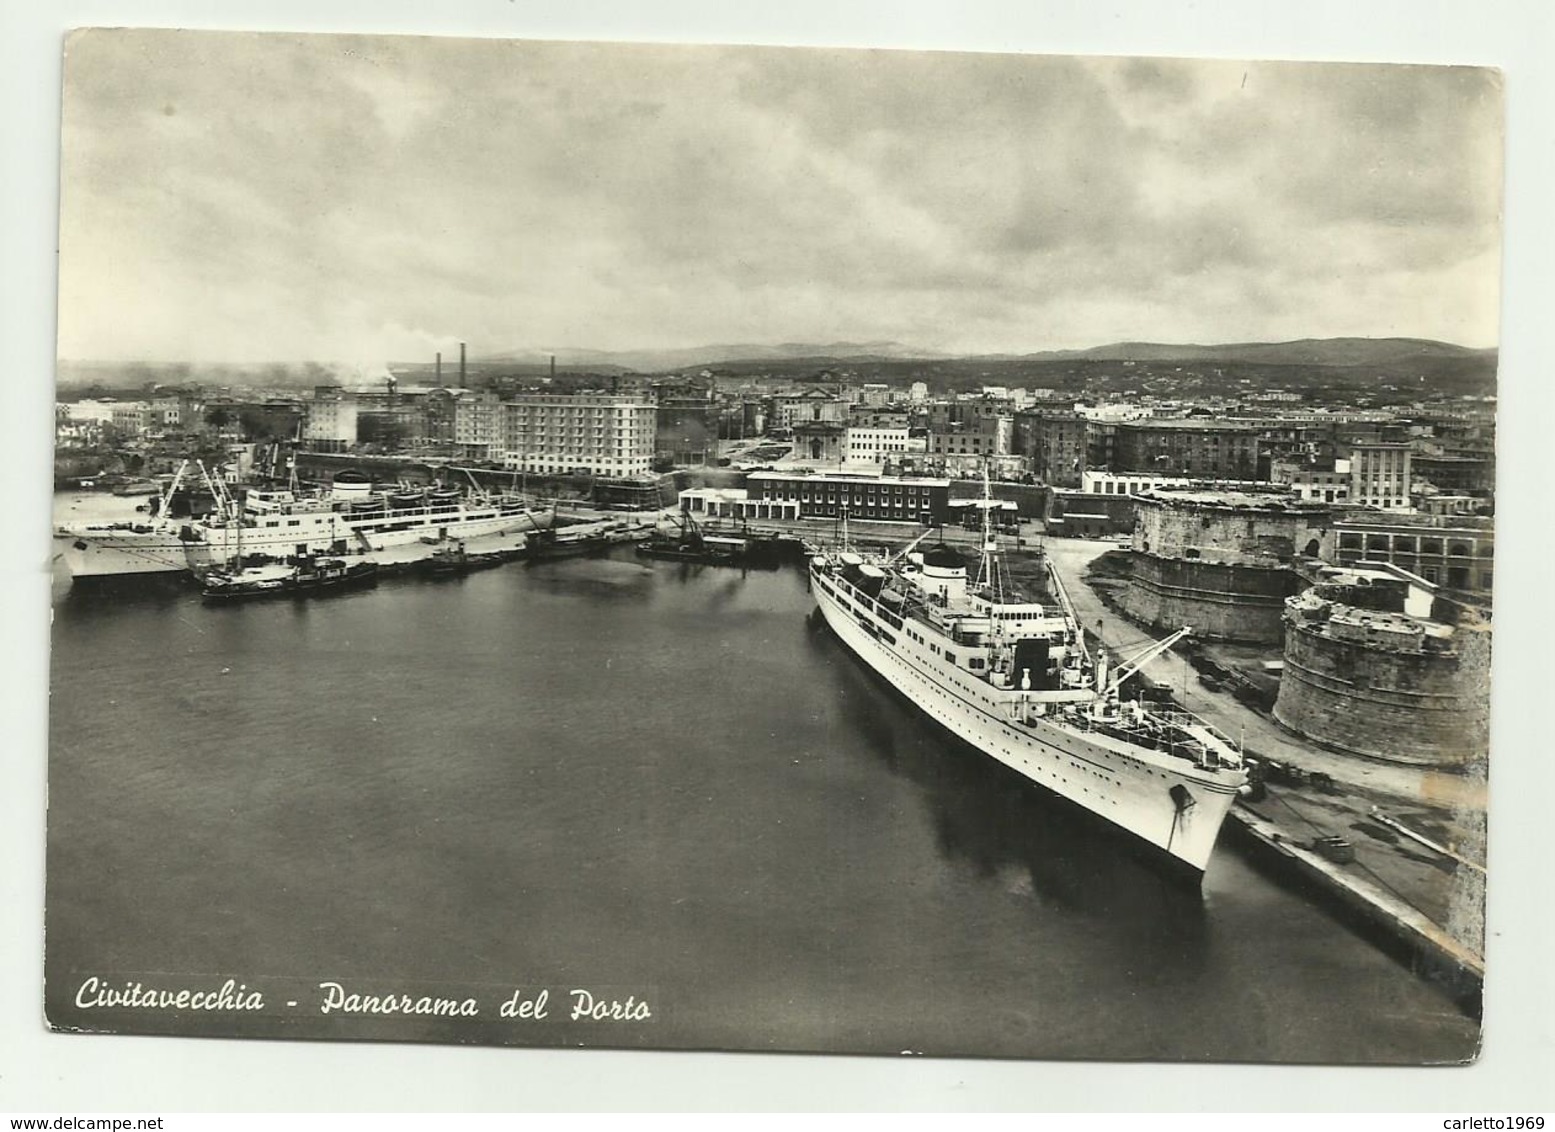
{"x":399,"y":195}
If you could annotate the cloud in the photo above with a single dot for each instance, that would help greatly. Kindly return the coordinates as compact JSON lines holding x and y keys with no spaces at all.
{"x":274,"y":196}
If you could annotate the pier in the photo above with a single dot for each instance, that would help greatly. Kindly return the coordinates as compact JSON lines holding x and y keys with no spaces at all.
{"x":1346,"y":830}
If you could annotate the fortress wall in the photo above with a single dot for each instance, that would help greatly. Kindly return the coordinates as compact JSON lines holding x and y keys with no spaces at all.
{"x":1220,"y":602}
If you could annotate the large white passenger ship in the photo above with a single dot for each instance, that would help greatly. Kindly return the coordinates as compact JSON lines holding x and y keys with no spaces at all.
{"x":351,"y":517}
{"x":1015,"y":680}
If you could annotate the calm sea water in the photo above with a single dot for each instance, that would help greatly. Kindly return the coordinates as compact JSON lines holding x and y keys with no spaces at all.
{"x":636,"y":779}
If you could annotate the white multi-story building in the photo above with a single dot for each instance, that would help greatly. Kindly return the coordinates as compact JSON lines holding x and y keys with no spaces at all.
{"x":878,"y":445}
{"x":329,"y":421}
{"x":478,"y":425}
{"x":918,"y":392}
{"x":1379,"y":475}
{"x":602,"y":434}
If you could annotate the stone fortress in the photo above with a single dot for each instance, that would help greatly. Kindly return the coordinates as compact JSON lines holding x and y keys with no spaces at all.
{"x":1377,"y":663}
{"x":1222,"y":561}
{"x":1377,"y":660}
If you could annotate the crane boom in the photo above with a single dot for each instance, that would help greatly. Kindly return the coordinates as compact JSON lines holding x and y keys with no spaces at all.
{"x":1136,"y":663}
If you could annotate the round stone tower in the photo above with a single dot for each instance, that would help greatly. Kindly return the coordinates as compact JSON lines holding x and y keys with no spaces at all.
{"x":1381,"y":682}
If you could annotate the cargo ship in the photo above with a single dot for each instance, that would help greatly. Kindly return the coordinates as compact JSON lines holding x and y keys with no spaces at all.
{"x":1013,"y":678}
{"x":351,"y":517}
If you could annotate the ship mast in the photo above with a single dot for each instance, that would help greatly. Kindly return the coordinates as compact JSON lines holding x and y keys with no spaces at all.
{"x":989,"y":575}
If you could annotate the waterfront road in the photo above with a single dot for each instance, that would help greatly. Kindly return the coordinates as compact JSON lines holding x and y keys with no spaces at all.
{"x":1259,"y":733}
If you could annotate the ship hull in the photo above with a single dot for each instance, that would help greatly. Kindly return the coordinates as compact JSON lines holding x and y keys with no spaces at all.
{"x":1135,"y":796}
{"x":107,"y":552}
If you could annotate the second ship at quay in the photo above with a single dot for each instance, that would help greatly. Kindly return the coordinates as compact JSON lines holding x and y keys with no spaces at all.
{"x":350,"y":518}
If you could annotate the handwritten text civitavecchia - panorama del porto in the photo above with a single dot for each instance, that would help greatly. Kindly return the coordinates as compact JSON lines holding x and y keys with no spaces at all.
{"x":579,"y":1004}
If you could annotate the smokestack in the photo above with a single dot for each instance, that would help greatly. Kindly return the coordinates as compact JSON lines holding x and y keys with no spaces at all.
{"x":553,"y":367}
{"x":461,"y":365}
{"x":440,"y":367}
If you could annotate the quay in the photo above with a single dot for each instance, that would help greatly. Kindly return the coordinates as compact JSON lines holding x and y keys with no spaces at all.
{"x":1369,"y":902}
{"x":1410,"y":873}
{"x":1415,"y":894}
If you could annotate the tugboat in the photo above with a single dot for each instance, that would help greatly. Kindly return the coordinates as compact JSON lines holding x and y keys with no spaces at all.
{"x":458,"y":560}
{"x":277,"y":579}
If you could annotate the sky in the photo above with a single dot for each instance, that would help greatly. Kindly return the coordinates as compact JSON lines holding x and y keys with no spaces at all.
{"x":236,"y":197}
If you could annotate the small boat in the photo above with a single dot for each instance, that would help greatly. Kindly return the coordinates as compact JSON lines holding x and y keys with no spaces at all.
{"x":544,"y":546}
{"x":689,"y":544}
{"x":277,"y":579}
{"x":406,"y":500}
{"x":685,"y":550}
{"x":270,"y":580}
{"x":457,"y":560}
{"x":333,"y":573}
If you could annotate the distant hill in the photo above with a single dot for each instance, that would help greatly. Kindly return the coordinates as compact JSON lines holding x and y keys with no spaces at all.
{"x":1303,"y":352}
{"x":1310,"y":363}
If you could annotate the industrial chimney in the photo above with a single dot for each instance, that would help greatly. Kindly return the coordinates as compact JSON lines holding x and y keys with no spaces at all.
{"x":461,"y":365}
{"x":440,"y":367}
{"x":553,"y":367}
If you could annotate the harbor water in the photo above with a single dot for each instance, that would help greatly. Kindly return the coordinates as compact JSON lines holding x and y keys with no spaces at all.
{"x":652,"y":780}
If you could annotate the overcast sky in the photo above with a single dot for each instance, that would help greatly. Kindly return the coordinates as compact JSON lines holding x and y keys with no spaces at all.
{"x":232,"y":197}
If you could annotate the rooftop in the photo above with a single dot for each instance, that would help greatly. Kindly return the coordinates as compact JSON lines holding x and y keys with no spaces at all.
{"x":1416,"y":520}
{"x":1274,"y":501}
{"x":1206,"y":424}
{"x":847,"y":477}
